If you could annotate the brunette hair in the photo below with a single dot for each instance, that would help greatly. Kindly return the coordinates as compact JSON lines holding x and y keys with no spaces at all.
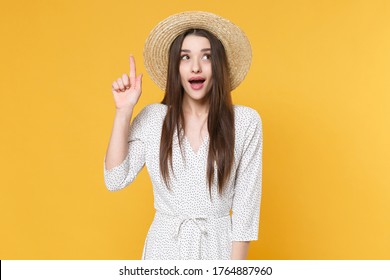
{"x":220,"y":121}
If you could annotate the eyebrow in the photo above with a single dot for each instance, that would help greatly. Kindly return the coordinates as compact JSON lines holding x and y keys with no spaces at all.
{"x":202,"y":50}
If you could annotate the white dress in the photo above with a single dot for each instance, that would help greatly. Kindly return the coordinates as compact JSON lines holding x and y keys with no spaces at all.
{"x":187,"y":223}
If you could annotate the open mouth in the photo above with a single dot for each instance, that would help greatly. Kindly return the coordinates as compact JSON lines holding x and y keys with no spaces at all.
{"x":196,"y":82}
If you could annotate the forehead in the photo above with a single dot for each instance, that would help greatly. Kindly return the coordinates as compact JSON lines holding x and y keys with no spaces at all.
{"x":195,"y":43}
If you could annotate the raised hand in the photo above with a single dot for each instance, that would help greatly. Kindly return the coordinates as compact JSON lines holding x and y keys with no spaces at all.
{"x":127,"y":89}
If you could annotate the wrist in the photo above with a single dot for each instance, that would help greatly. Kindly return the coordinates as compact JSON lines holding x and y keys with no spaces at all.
{"x":124,"y":113}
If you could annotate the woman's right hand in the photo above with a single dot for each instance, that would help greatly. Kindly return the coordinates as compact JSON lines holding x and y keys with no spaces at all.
{"x":127,"y":89}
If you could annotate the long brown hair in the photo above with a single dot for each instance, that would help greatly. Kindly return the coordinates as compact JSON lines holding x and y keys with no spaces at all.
{"x":220,"y":120}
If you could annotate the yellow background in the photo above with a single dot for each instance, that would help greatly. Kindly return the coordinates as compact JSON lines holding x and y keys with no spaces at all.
{"x":320,"y":79}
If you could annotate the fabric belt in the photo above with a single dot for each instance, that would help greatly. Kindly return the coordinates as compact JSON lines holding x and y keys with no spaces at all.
{"x":181,"y":220}
{"x":184,"y":219}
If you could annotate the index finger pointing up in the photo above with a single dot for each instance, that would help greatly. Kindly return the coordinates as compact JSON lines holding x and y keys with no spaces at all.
{"x":132,"y":71}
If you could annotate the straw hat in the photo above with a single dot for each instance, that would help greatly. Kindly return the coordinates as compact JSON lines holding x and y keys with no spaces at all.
{"x":234,"y":40}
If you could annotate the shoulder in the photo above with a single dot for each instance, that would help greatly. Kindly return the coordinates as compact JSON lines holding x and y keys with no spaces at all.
{"x":148,"y":121}
{"x":152,"y":112}
{"x":245,"y":116}
{"x":155,"y":109}
{"x":248,"y":127}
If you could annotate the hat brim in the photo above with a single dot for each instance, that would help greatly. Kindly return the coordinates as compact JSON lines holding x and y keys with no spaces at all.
{"x":236,"y":44}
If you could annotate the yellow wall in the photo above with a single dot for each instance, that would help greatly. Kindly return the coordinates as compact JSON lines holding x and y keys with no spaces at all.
{"x":320,"y":80}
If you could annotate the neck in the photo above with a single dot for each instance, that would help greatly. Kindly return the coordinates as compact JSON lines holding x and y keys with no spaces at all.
{"x":195,"y":107}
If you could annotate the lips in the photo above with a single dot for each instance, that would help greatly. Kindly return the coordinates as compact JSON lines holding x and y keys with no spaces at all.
{"x":197,"y":82}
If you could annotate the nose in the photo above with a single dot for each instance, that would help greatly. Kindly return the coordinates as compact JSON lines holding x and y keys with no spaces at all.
{"x":196,"y":68}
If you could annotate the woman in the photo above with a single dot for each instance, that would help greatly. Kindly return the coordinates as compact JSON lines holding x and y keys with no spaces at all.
{"x":203,"y":154}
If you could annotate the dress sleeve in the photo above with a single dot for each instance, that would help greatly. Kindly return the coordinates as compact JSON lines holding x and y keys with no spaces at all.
{"x":248,"y":185}
{"x":123,"y":174}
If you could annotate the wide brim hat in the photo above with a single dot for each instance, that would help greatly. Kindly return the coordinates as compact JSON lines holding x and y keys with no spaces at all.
{"x":234,"y":40}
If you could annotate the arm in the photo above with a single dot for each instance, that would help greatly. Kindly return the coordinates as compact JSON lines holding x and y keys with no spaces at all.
{"x":126,"y":92}
{"x":239,"y":250}
{"x":118,"y":146}
{"x":247,"y":190}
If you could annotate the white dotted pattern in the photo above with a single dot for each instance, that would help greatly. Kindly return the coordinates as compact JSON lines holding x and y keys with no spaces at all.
{"x":188,"y":224}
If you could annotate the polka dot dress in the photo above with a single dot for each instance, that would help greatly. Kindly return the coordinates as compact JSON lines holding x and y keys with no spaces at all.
{"x":188,"y":224}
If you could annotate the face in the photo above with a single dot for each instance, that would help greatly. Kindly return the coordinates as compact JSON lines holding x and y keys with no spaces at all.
{"x":195,"y":67}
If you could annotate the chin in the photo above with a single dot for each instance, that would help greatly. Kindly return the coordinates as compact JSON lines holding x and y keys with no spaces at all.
{"x":197,"y":96}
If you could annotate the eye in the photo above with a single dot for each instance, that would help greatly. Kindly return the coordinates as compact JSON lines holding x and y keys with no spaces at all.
{"x":184,"y":57}
{"x":206,"y":56}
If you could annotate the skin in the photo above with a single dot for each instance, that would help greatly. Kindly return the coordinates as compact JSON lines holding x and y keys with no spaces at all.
{"x":126,"y":90}
{"x":195,"y":62}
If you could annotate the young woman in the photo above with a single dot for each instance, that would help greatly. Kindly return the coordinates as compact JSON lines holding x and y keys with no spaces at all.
{"x":203,"y":154}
